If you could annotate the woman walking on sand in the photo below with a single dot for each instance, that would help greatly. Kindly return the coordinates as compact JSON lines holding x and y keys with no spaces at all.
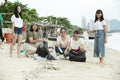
{"x":100,"y":35}
{"x":17,"y":24}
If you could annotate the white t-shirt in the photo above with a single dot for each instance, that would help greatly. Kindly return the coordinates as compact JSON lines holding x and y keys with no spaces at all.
{"x":18,"y":22}
{"x":75,"y":44}
{"x":99,"y":25}
{"x":64,"y":43}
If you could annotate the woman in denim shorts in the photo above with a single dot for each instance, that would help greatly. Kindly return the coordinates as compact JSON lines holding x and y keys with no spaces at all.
{"x":17,"y":24}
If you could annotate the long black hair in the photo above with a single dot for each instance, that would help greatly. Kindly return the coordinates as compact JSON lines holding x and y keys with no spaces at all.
{"x":31,"y":27}
{"x":16,"y":12}
{"x":98,"y":12}
{"x":76,"y":32}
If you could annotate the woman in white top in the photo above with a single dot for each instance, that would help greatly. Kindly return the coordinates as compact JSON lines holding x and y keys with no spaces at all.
{"x":17,"y":24}
{"x":63,"y":42}
{"x":75,"y":43}
{"x":100,"y":35}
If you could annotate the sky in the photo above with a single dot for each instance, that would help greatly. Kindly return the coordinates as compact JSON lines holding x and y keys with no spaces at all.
{"x":74,"y":10}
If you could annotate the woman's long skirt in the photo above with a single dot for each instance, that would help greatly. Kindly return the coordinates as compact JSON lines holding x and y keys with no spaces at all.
{"x":99,"y":47}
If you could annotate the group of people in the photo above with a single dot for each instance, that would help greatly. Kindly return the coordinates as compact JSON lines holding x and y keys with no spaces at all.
{"x":64,"y":44}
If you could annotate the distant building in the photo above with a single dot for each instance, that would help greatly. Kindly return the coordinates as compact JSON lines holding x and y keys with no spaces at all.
{"x":91,"y":25}
{"x":84,"y":22}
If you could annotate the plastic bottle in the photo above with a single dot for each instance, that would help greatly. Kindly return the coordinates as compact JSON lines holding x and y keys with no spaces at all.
{"x":22,"y":51}
{"x":60,"y":50}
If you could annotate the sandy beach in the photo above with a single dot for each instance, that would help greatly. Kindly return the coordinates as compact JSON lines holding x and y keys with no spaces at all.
{"x":29,"y":69}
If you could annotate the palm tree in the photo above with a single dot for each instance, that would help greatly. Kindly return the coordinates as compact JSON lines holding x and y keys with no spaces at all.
{"x":5,"y":2}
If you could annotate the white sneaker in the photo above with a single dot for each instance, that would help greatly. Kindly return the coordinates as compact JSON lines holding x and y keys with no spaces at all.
{"x":57,"y":57}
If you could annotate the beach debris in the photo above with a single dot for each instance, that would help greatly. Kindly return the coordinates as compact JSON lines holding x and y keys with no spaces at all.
{"x":50,"y":66}
{"x":51,"y":47}
{"x":35,"y":72}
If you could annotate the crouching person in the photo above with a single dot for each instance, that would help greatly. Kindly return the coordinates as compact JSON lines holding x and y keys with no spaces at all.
{"x":63,"y":42}
{"x":77,"y":52}
{"x":34,"y":39}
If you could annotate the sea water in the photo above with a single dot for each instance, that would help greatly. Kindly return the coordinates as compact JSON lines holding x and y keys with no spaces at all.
{"x":113,"y":41}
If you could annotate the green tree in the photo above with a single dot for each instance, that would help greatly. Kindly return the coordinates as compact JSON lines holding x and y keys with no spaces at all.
{"x":7,"y":10}
{"x":31,"y":16}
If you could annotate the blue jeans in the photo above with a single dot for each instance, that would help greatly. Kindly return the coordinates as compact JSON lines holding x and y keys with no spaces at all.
{"x":58,"y":51}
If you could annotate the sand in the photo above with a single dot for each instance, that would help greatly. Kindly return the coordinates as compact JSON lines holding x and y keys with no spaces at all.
{"x":29,"y":69}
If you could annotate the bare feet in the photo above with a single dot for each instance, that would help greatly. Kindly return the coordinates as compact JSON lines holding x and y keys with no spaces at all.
{"x":26,"y":54}
{"x":11,"y":55}
{"x":19,"y":55}
{"x":100,"y":63}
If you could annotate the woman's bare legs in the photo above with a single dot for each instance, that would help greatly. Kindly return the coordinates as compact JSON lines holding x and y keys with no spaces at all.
{"x":19,"y":44}
{"x":101,"y":60}
{"x":12,"y":44}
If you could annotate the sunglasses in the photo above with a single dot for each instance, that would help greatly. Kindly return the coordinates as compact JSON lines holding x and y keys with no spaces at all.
{"x":63,"y":31}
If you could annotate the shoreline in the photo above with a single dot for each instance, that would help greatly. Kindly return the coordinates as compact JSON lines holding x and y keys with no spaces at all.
{"x":114,"y":50}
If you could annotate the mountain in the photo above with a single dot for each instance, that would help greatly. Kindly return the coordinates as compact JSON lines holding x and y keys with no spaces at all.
{"x":114,"y":25}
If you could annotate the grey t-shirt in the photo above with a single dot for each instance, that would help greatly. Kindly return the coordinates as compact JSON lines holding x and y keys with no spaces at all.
{"x":33,"y":35}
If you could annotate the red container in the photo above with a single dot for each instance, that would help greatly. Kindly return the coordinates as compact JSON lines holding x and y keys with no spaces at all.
{"x":8,"y":37}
